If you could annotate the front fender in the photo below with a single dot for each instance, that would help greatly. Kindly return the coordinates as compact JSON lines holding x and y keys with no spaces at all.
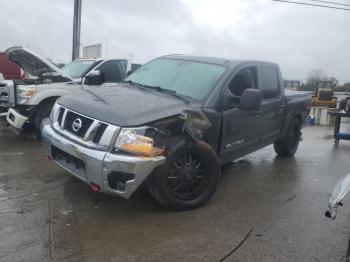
{"x":42,"y":95}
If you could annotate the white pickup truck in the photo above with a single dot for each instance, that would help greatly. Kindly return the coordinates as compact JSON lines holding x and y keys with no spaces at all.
{"x":31,"y":100}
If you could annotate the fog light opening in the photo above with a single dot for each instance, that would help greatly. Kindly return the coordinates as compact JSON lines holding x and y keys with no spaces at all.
{"x":95,"y":187}
{"x":118,"y":180}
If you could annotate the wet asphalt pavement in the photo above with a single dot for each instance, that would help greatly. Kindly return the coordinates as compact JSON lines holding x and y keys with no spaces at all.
{"x":46,"y":215}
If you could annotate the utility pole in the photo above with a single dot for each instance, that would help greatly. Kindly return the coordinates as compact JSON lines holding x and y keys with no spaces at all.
{"x":106,"y":46}
{"x":76,"y":29}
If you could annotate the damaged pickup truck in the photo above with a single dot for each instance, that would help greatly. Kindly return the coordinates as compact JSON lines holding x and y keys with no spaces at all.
{"x":31,"y":100}
{"x":172,"y":124}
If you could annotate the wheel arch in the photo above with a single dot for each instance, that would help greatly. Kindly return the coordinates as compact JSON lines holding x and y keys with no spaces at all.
{"x":298,"y":116}
{"x":44,"y":95}
{"x":48,"y":100}
{"x":156,"y":183}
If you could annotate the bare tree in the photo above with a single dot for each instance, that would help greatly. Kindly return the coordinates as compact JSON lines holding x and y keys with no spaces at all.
{"x":316,"y":76}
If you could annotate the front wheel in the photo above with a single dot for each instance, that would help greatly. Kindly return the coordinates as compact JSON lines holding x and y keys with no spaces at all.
{"x":287,"y":146}
{"x":43,"y":112}
{"x":188,"y":178}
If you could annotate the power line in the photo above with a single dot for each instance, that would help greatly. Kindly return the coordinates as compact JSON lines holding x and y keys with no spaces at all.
{"x":328,"y":2}
{"x":324,"y":6}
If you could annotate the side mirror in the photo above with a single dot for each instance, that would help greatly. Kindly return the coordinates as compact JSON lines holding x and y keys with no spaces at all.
{"x":251,"y":100}
{"x":95,"y":77}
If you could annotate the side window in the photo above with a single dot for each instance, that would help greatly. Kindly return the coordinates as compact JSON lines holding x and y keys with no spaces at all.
{"x":245,"y":78}
{"x":113,"y":71}
{"x":269,"y":85}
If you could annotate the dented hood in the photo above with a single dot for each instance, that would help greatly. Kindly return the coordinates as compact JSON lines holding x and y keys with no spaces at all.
{"x":32,"y":63}
{"x":124,"y":105}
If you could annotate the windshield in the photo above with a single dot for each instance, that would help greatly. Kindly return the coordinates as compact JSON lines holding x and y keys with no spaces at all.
{"x":187,"y":78}
{"x":77,"y":69}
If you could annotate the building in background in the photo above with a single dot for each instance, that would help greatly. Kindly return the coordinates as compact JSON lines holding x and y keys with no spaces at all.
{"x":92,"y":51}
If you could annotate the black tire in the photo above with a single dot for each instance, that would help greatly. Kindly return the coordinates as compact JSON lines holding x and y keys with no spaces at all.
{"x":287,"y":146}
{"x":189,"y":177}
{"x":43,"y":112}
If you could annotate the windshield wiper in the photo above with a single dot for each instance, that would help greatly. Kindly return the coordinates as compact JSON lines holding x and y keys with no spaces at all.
{"x":158,"y":88}
{"x":168,"y":91}
{"x":141,"y":86}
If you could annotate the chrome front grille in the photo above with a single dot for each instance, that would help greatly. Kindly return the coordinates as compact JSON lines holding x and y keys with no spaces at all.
{"x":60,"y":115}
{"x":4,"y":97}
{"x":7,"y":93}
{"x":72,"y":118}
{"x":4,"y":92}
{"x":83,"y":129}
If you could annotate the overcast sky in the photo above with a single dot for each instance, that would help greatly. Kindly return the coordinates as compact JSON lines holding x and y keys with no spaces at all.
{"x":299,"y":38}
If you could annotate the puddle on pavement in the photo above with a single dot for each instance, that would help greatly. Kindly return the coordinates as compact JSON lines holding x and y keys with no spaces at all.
{"x":328,"y":137}
{"x":242,"y":163}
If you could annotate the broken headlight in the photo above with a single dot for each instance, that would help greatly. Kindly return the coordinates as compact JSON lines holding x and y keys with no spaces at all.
{"x":146,"y":141}
{"x":24,"y":93}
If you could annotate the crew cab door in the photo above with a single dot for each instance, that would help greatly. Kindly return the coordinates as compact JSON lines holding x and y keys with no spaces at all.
{"x":272,"y":107}
{"x":241,"y":128}
{"x":111,"y":71}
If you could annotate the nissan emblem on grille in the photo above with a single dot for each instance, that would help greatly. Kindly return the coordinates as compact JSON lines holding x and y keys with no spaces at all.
{"x":77,"y":124}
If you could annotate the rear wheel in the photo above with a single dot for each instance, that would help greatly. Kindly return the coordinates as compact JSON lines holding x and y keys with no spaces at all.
{"x":287,"y":146}
{"x":188,"y":179}
{"x":41,"y":114}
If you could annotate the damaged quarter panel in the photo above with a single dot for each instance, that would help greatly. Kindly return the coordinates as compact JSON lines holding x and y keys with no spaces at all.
{"x":211,"y":133}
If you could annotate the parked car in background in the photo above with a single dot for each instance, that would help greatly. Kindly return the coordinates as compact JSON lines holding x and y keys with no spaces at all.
{"x":9,"y":69}
{"x":173,"y":123}
{"x":31,"y":100}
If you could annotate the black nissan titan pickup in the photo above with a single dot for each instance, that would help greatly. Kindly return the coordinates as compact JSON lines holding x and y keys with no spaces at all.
{"x":172,"y":124}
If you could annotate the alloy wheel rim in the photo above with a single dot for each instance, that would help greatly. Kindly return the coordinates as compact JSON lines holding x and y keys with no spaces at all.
{"x":295,"y":136}
{"x":187,"y":176}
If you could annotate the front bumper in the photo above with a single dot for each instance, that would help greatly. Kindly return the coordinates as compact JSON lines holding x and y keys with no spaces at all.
{"x":16,"y":119}
{"x":95,"y":167}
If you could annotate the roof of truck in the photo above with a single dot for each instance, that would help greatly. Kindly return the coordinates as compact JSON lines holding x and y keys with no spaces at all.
{"x":215,"y":60}
{"x":99,"y":59}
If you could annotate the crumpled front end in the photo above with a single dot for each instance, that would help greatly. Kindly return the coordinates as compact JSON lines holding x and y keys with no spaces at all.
{"x":104,"y":170}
